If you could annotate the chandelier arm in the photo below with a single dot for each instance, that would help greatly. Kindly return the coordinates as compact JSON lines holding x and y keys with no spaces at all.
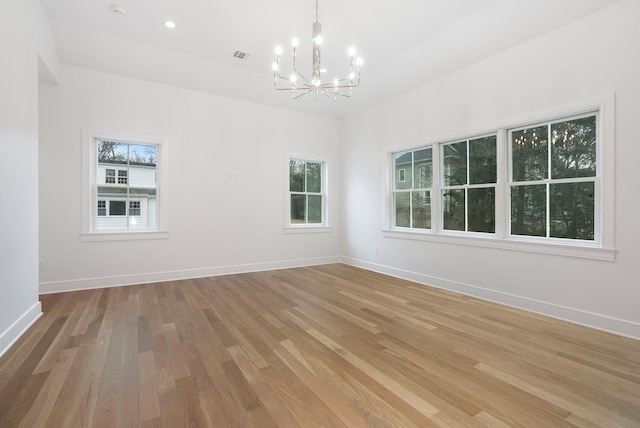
{"x":301,"y":94}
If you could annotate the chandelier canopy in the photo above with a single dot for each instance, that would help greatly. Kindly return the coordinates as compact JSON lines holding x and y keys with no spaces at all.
{"x":300,"y":85}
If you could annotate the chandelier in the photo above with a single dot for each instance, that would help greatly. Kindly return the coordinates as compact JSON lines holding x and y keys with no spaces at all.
{"x":300,"y":85}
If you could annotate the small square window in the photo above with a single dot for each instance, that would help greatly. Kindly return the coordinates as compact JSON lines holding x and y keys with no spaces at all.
{"x":122,"y":177}
{"x":134,"y":208}
{"x":110,"y":176}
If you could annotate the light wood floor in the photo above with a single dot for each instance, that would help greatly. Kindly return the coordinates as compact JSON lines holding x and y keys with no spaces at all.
{"x":330,"y":346}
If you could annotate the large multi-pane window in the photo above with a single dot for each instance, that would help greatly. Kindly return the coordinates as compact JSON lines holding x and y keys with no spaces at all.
{"x":469,"y":177}
{"x":553,"y":179}
{"x":306,"y":192}
{"x":413,"y":178}
{"x":545,"y":187}
{"x":126,"y":185}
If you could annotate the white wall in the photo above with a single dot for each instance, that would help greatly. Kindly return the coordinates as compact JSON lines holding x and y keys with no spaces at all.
{"x":226,"y":173}
{"x":19,"y":305}
{"x":592,"y":57}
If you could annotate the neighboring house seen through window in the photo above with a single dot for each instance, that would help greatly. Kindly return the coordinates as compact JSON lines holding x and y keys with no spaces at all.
{"x":126,"y":188}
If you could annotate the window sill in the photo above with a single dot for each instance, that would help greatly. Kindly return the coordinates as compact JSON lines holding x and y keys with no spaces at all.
{"x":307,"y":229}
{"x":550,"y":248}
{"x":123,"y":236}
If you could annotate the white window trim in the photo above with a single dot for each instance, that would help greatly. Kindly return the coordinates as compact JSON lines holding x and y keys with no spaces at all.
{"x":602,"y":249}
{"x":89,"y":197}
{"x":323,"y":227}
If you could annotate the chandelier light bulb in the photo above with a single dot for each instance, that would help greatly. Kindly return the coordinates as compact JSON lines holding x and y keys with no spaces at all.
{"x":293,"y":78}
{"x":278,"y":50}
{"x":352,"y":51}
{"x":359,"y":61}
{"x":294,"y":42}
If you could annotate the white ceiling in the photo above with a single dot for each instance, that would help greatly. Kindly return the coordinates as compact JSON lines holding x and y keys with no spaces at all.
{"x":405,"y":43}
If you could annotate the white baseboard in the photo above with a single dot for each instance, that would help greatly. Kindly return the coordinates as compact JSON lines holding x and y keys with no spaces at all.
{"x":577,"y":316}
{"x":17,"y":329}
{"x":146,"y":278}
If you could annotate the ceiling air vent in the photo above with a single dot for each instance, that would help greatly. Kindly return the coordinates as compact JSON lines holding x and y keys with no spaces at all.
{"x":241,"y":55}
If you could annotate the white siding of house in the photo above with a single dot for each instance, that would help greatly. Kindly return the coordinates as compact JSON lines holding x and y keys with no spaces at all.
{"x":146,"y":219}
{"x":139,"y":176}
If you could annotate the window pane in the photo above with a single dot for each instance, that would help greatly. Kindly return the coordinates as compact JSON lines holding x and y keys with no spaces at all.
{"x":314,"y":177}
{"x":530,"y":154}
{"x":453,"y":209}
{"x":296,"y":176}
{"x":422,"y":160}
{"x":117,"y":208}
{"x":454,"y":170}
{"x":102,"y":208}
{"x":528,"y":210}
{"x":402,"y":207}
{"x":142,"y":154}
{"x":421,"y":209}
{"x":482,"y":160}
{"x":482,"y":212}
{"x":573,"y":148}
{"x":403,"y":161}
{"x":298,"y":208}
{"x":571,"y":210}
{"x":315,"y":209}
{"x":111,"y":151}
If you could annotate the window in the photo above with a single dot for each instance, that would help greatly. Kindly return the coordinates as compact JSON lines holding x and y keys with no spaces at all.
{"x":134,"y":208}
{"x":110,"y":176}
{"x":545,"y":185}
{"x":469,"y":178}
{"x":117,"y":208}
{"x":306,"y":192}
{"x":412,"y":198}
{"x":553,"y":179}
{"x":123,"y":178}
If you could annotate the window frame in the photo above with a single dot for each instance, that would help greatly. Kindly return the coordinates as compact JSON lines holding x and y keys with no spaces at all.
{"x":602,"y":248}
{"x":89,"y":232}
{"x":323,"y":226}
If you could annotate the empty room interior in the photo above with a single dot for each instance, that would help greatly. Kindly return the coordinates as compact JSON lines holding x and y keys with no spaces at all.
{"x":319,"y":213}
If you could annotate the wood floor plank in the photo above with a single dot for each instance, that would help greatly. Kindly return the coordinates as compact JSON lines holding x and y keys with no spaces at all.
{"x":322,"y":346}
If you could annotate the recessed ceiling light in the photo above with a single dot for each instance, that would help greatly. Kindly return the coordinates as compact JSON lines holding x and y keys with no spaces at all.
{"x":170,"y":24}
